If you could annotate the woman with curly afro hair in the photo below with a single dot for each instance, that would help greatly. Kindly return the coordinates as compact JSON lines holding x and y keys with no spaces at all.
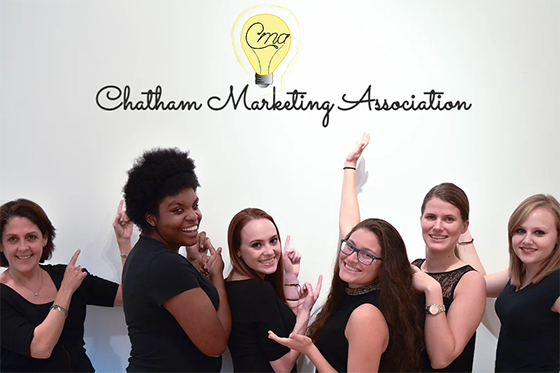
{"x":178,"y":318}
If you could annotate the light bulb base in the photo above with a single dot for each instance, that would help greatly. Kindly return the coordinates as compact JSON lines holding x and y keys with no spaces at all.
{"x":263,"y":81}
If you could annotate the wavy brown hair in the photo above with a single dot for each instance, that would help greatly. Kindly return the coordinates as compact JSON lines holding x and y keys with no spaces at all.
{"x":238,"y":222}
{"x":398,"y":302}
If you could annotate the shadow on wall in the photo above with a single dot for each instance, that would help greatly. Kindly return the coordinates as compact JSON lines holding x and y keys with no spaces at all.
{"x":106,"y":337}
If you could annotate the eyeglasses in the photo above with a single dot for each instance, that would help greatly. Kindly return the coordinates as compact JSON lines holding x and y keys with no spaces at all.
{"x":363,"y":256}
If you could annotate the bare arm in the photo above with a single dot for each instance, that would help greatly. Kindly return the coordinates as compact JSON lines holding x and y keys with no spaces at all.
{"x":447,"y":335}
{"x":368,"y":337}
{"x":495,"y":282}
{"x":307,"y":300}
{"x":349,"y":214}
{"x":122,"y":225}
{"x":206,"y":327}
{"x":468,"y":254}
{"x":47,"y":334}
{"x":194,"y":311}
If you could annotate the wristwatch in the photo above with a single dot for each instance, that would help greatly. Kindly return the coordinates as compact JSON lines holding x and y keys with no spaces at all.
{"x":434,"y":309}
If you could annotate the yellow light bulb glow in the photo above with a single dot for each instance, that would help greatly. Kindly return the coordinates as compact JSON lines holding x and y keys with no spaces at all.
{"x":265,"y":39}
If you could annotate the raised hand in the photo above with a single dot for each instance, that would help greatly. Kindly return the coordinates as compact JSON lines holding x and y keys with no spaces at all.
{"x":291,"y":260}
{"x":215,"y":263}
{"x":423,"y":282}
{"x":73,"y":275}
{"x":122,"y":223}
{"x":298,"y":342}
{"x":198,"y":253}
{"x":356,"y":152}
{"x":308,"y":296}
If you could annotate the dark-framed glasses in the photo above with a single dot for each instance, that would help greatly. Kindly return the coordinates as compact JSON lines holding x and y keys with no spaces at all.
{"x":364,"y":257}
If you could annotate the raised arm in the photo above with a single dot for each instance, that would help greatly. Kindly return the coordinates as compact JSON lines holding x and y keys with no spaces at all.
{"x":291,"y":260}
{"x":446,"y":335}
{"x":495,"y":282}
{"x":122,"y":225}
{"x":349,"y":214}
{"x":47,"y":333}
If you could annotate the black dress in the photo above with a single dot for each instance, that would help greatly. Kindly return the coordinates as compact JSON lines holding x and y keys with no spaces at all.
{"x":331,"y":340}
{"x":19,"y":317}
{"x":529,"y":338}
{"x":255,"y":309}
{"x":448,"y":282}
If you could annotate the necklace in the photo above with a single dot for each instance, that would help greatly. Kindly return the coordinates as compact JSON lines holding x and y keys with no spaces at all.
{"x":34,"y":292}
{"x":363,"y":289}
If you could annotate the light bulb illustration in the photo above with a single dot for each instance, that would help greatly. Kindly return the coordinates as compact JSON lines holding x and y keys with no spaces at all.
{"x":266,"y":38}
{"x":266,"y":41}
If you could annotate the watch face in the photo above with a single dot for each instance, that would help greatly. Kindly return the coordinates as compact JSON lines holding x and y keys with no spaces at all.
{"x":433,"y":309}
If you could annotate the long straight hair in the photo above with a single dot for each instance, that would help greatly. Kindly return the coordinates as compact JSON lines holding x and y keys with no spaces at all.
{"x":238,"y":222}
{"x":520,"y":214}
{"x":398,"y":302}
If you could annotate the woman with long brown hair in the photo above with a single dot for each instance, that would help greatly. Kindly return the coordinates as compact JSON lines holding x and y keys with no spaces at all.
{"x":453,"y":290}
{"x":369,"y":321}
{"x":263,"y":294}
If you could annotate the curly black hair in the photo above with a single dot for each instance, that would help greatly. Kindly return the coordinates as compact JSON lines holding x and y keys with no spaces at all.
{"x":157,"y":174}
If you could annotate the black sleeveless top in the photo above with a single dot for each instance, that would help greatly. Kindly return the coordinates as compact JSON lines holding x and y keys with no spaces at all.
{"x":448,"y":282}
{"x":530,"y":331}
{"x":331,"y":341}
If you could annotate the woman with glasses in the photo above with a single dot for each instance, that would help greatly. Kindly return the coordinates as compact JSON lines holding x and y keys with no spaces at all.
{"x":454,"y":292}
{"x":263,"y":294}
{"x":369,"y":322}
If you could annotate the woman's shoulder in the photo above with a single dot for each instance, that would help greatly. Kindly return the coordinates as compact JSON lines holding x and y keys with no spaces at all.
{"x":254,"y":285}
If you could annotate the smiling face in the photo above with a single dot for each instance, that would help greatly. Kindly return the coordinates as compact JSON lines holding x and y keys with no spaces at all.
{"x":535,"y":238}
{"x":441,"y":225}
{"x":177,"y":221}
{"x":22,"y":244}
{"x":352,"y":271}
{"x":260,"y":246}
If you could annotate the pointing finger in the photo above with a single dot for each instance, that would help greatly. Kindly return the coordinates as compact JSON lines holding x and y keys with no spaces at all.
{"x":72,"y":261}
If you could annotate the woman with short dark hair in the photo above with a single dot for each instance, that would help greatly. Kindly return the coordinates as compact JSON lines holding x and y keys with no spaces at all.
{"x":178,"y":319}
{"x":43,"y":306}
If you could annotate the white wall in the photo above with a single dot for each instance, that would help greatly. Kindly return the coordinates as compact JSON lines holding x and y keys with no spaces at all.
{"x":58,"y":148}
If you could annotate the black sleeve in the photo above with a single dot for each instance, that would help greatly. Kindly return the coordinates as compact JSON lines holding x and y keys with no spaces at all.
{"x":16,"y":330}
{"x":170,"y":274}
{"x":265,"y":308}
{"x":100,"y":292}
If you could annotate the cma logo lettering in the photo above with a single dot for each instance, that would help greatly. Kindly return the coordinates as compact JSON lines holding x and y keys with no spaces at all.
{"x":265,"y":39}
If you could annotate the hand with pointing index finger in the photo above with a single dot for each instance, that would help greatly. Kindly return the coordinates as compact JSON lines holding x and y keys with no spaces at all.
{"x":215,"y":263}
{"x":73,"y":275}
{"x":291,"y":259}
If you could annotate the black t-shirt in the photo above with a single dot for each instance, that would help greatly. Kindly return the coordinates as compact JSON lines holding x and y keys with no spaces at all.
{"x":529,"y":338}
{"x":19,"y":317}
{"x":152,"y":275}
{"x":255,"y":309}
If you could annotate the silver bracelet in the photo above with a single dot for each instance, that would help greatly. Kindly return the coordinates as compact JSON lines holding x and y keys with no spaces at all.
{"x":124,"y":256}
{"x":59,"y":308}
